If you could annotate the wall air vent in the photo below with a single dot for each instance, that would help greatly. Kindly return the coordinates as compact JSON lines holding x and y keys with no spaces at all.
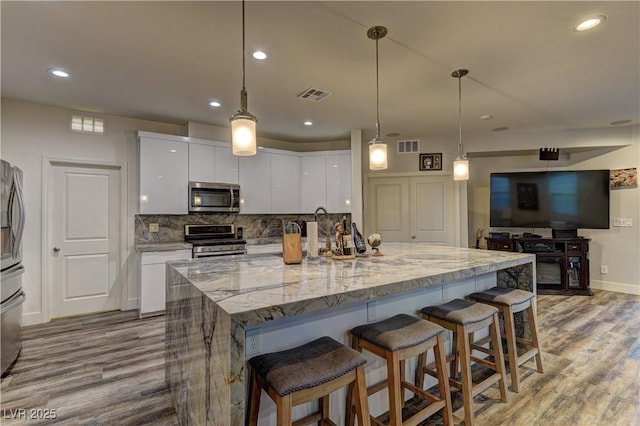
{"x":87,"y":124}
{"x":314,"y":95}
{"x":408,"y":147}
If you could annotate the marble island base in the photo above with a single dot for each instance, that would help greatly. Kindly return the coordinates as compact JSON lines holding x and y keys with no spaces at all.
{"x":213,"y":305}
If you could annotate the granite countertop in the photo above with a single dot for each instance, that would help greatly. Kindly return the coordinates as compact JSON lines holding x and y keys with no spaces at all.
{"x":148,"y":247}
{"x":245,"y":284}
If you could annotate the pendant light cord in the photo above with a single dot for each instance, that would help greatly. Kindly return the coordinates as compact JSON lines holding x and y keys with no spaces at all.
{"x":243,"y":92}
{"x":243,"y":54}
{"x":460,"y":117}
{"x":377,"y":96}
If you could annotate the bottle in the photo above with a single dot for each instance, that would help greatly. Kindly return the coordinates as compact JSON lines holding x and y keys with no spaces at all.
{"x":347,"y":244}
{"x":358,"y":241}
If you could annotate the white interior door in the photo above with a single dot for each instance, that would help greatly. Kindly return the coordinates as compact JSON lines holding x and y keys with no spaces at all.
{"x":388,"y":211}
{"x":84,"y":226}
{"x":412,"y":209}
{"x":431,"y":216}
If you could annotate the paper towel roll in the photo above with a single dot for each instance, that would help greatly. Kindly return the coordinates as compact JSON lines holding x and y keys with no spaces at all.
{"x":312,"y":239}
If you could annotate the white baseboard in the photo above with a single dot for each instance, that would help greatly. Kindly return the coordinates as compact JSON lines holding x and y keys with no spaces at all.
{"x":617,"y":287}
{"x":32,"y":318}
{"x":130,"y":304}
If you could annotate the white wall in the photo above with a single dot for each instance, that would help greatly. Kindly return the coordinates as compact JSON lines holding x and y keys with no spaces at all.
{"x":31,"y":132}
{"x":618,"y":248}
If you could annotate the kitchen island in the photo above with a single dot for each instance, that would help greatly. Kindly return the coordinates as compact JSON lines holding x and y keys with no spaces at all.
{"x":213,"y":305}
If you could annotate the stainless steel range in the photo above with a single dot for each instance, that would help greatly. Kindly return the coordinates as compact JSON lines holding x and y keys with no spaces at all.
{"x":215,"y":240}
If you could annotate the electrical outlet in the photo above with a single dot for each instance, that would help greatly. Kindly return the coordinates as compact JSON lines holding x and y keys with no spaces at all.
{"x":154,"y":227}
{"x":622,"y":221}
{"x":604,"y":269}
{"x":252,"y":342}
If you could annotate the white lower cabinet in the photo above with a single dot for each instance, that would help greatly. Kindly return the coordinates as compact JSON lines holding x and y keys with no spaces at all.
{"x":152,"y":291}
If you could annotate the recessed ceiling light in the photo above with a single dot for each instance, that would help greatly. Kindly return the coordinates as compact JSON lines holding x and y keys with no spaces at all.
{"x":308,"y":123}
{"x":486,"y":117}
{"x":259,"y":55}
{"x":392,"y":134}
{"x":619,"y":122}
{"x":500,"y":129}
{"x":58,"y":72}
{"x":215,"y":104}
{"x":591,"y":23}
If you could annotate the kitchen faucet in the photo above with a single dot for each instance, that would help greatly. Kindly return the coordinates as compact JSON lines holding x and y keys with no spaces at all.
{"x":327,"y":232}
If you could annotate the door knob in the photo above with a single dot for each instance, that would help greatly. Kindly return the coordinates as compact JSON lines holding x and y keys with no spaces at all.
{"x":56,"y":249}
{"x":413,"y":237}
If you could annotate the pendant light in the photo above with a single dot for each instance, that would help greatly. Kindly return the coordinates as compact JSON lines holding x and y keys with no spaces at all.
{"x":461,"y":163}
{"x":377,"y":146}
{"x":243,"y":123}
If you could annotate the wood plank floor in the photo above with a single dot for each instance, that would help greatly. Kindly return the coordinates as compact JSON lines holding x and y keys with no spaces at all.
{"x":109,"y":369}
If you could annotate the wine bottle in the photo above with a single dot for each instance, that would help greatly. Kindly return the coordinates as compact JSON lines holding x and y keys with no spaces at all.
{"x":347,"y":245}
{"x":358,"y":241}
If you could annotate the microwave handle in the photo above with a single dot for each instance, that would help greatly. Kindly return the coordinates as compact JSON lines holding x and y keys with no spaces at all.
{"x":232,"y":198}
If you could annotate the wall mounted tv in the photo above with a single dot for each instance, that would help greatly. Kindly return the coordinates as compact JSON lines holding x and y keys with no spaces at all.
{"x":561,"y":200}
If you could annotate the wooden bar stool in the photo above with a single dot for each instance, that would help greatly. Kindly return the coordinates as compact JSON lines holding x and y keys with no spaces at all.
{"x":464,"y":318}
{"x":509,"y":301}
{"x":306,"y":373}
{"x":397,"y":339}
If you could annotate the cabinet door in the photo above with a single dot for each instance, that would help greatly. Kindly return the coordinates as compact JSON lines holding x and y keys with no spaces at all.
{"x":339,"y":183}
{"x":164,"y":176}
{"x":285,"y":183}
{"x":314,"y":183}
{"x":255,"y":191}
{"x":202,"y":162}
{"x":226,"y":165}
{"x":153,"y":278}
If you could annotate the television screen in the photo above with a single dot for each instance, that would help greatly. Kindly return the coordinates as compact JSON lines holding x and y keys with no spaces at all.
{"x":576,"y":199}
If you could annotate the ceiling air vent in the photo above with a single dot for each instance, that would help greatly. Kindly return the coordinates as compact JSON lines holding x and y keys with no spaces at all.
{"x":315,"y":95}
{"x":407,"y":147}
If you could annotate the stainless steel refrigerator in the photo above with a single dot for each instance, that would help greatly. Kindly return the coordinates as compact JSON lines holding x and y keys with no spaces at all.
{"x":12,"y":218}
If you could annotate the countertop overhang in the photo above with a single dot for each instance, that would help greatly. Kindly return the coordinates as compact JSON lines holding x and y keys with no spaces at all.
{"x":242,"y":286}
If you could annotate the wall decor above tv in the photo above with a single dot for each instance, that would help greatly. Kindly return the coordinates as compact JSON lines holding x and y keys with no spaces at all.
{"x":562,"y":200}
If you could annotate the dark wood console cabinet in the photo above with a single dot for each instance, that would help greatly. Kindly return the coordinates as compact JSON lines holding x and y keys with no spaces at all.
{"x":562,"y":264}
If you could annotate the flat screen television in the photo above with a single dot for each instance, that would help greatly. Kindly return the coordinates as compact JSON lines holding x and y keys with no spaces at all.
{"x":561,"y":200}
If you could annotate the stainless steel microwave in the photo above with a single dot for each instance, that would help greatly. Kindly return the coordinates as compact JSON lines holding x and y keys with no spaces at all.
{"x":214,"y":197}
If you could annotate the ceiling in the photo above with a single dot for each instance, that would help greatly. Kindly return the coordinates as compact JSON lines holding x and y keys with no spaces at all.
{"x":164,"y":61}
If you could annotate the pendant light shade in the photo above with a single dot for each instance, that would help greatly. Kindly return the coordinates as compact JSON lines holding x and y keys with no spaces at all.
{"x":461,"y":169}
{"x":461,"y":163}
{"x":243,"y":123}
{"x":377,"y":154}
{"x":377,"y":146}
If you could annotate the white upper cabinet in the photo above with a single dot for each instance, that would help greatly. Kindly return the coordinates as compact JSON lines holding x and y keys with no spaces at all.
{"x":226,"y":165}
{"x":271,"y":182}
{"x":164,"y":175}
{"x":212,"y":163}
{"x":285,"y":183}
{"x":202,"y":161}
{"x":339,"y":183}
{"x":255,"y":190}
{"x":313,"y":192}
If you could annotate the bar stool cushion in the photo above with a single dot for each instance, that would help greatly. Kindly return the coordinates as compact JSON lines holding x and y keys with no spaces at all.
{"x":460,"y":311}
{"x":306,"y":366}
{"x":503,"y":296}
{"x":398,"y":332}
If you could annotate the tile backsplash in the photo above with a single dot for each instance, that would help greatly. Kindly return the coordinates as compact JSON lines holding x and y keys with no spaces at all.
{"x":256,"y":226}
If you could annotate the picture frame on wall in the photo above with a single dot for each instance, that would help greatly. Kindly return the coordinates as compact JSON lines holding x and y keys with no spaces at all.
{"x":431,"y":161}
